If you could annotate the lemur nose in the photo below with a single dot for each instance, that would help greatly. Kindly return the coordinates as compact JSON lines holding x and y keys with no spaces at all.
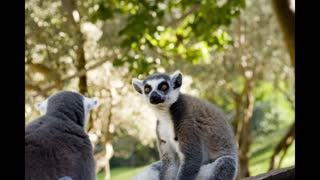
{"x":155,"y":98}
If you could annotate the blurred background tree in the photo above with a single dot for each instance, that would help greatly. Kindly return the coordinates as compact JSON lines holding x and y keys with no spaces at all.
{"x":238,"y":54}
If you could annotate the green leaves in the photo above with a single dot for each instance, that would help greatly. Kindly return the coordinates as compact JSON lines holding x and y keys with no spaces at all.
{"x":104,"y":12}
{"x":183,"y":26}
{"x":141,"y":24}
{"x":193,"y":55}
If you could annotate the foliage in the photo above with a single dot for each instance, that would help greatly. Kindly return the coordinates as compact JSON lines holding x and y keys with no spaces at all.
{"x":175,"y":28}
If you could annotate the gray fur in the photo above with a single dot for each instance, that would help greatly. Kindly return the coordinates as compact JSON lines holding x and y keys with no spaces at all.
{"x":202,"y":146}
{"x":65,"y":178}
{"x":157,"y":76}
{"x":56,"y":144}
{"x":149,"y":173}
{"x":225,"y":167}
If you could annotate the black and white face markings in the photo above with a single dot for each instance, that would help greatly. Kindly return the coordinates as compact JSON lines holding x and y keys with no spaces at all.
{"x":68,"y":101}
{"x":159,"y":88}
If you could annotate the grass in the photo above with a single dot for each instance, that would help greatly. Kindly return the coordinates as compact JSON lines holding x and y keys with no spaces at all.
{"x":259,"y":161}
{"x":123,"y":173}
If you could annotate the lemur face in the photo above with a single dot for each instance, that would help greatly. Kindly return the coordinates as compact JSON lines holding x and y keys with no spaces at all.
{"x":159,"y":89}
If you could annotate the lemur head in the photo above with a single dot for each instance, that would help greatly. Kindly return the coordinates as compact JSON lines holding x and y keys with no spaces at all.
{"x":159,"y":89}
{"x":71,"y":104}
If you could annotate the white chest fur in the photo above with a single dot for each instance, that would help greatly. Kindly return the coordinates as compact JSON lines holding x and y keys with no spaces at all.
{"x":166,"y":132}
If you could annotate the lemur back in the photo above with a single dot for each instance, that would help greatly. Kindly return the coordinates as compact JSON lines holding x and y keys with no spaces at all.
{"x":56,"y":145}
{"x":207,"y":121}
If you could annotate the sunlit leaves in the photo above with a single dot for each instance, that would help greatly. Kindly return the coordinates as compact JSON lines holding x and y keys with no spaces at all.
{"x":157,"y":24}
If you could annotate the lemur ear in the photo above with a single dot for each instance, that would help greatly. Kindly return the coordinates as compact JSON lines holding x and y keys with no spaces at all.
{"x":137,"y":84}
{"x":42,"y":106}
{"x":90,"y":103}
{"x":176,"y":78}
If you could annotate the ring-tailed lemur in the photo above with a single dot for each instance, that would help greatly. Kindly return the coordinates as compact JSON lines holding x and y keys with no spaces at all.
{"x":195,"y":140}
{"x":56,"y":144}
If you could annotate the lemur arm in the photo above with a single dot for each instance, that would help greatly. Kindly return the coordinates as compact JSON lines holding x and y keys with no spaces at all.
{"x":169,"y":161}
{"x":169,"y":167}
{"x":190,"y":145}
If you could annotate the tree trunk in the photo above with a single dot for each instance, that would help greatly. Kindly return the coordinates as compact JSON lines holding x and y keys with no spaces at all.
{"x":109,"y":154}
{"x":107,"y":170}
{"x":108,"y":136}
{"x":243,"y":135}
{"x":286,"y":19}
{"x":81,"y":62}
{"x":238,"y":116}
{"x":74,"y":21}
{"x":103,"y":159}
{"x":284,"y":144}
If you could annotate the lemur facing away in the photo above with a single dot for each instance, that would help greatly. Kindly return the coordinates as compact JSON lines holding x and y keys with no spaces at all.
{"x":56,"y":145}
{"x":195,"y":140}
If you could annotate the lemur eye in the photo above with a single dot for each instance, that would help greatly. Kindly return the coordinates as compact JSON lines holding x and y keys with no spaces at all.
{"x":147,"y":89}
{"x":164,"y":87}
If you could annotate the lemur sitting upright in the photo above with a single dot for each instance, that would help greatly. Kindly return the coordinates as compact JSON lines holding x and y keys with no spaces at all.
{"x":56,"y":145}
{"x":195,"y":140}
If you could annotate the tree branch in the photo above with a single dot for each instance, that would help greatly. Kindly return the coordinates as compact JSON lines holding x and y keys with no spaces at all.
{"x":284,"y":144}
{"x":286,"y":19}
{"x":77,"y":74}
{"x":46,"y":71}
{"x":70,"y":7}
{"x":175,"y":22}
{"x":29,"y":86}
{"x":74,"y":17}
{"x":231,"y":91}
{"x":288,"y":97}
